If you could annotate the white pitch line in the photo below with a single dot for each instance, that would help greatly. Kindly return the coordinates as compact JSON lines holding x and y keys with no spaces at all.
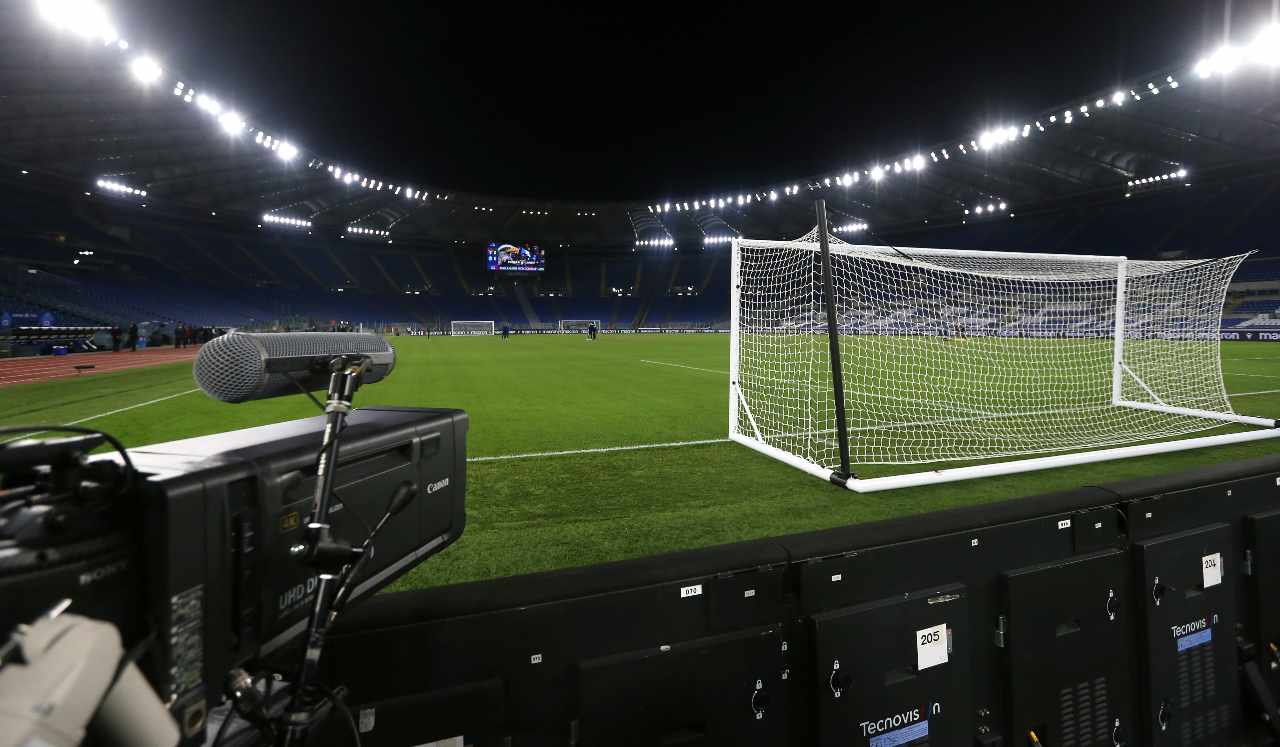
{"x":681,"y":365}
{"x":601,"y":450}
{"x":108,"y":414}
{"x":1255,"y":376}
{"x":1250,"y":394}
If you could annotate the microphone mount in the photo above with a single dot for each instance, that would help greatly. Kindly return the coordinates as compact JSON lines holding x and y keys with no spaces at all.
{"x":330,"y":558}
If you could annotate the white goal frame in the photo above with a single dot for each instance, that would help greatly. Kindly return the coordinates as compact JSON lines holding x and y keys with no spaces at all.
{"x":748,"y":433}
{"x":453,"y":328}
{"x":583,"y":322}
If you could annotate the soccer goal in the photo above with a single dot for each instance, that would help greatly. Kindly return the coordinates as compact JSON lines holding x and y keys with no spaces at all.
{"x":934,"y":356}
{"x":578,"y":325}
{"x":471,"y":328}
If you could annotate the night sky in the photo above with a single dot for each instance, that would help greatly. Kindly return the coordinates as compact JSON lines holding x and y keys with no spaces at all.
{"x":645,"y":101}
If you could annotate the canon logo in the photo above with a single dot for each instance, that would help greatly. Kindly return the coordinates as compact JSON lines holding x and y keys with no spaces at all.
{"x":1191,"y":627}
{"x":437,"y":485}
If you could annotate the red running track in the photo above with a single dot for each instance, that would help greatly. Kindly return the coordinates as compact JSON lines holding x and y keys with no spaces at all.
{"x":49,"y":367}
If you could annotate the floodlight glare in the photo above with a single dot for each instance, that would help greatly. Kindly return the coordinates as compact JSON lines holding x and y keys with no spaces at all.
{"x":917,"y":163}
{"x":1265,"y":49}
{"x":232,"y":123}
{"x":209,"y":104}
{"x":1117,"y":98}
{"x":877,"y":174}
{"x":287,"y":151}
{"x":84,"y":18}
{"x":146,"y":70}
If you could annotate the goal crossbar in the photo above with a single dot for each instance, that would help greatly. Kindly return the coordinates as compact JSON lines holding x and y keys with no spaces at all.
{"x":1022,"y":361}
{"x":472,"y":327}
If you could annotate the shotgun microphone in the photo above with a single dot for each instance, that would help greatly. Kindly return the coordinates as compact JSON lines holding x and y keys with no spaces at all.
{"x":244,"y":366}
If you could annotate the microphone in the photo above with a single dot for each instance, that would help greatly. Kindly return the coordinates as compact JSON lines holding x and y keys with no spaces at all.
{"x":244,"y":366}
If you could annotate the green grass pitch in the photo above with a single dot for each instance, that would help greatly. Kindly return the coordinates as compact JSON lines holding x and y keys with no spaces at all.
{"x":562,"y":393}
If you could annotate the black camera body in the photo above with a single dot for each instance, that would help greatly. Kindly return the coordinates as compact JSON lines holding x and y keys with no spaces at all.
{"x":199,"y":555}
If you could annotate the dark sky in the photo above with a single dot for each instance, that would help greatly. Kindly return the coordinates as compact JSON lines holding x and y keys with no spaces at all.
{"x":634,"y":100}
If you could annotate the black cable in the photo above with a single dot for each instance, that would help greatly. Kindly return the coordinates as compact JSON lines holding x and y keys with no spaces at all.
{"x":341,"y":705}
{"x":304,"y":390}
{"x":226,"y":723}
{"x":115,"y":443}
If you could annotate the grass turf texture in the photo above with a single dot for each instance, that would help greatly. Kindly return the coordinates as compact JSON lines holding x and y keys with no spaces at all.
{"x":549,"y":393}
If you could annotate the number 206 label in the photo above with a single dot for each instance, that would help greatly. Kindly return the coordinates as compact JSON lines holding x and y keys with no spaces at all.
{"x":931,"y":647}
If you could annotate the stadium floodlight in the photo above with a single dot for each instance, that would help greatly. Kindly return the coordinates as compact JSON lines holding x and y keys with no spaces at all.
{"x":85,"y":18}
{"x":232,"y":123}
{"x":1118,"y":98}
{"x":209,"y":104}
{"x":146,"y":70}
{"x":877,"y":174}
{"x":1100,"y":358}
{"x":1265,"y":49}
{"x":917,"y":163}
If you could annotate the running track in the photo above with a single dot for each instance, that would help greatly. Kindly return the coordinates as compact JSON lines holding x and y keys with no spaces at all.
{"x":48,"y":367}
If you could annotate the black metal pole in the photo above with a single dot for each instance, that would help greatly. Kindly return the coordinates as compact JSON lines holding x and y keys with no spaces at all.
{"x":833,"y":342}
{"x":320,"y":551}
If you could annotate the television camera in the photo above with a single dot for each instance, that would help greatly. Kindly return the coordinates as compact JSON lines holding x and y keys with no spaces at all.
{"x":218,"y":562}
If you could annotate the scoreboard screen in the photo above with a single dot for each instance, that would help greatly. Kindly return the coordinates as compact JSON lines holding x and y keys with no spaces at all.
{"x":516,"y":258}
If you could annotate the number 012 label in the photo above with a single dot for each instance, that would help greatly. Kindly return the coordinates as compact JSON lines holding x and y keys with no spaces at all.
{"x":931,"y":647}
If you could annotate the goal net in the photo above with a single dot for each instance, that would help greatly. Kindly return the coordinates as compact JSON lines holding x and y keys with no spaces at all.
{"x":578,"y":325}
{"x":965,"y":356}
{"x":471,"y":328}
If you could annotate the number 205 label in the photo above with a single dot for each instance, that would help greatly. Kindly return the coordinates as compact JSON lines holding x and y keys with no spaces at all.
{"x":931,"y":647}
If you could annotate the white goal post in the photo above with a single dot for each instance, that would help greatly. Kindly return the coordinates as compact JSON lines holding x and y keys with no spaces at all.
{"x":967,"y":360}
{"x":579,"y":325}
{"x":471,"y":328}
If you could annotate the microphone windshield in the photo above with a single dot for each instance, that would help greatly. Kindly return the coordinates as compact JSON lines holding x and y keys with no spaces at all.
{"x":244,"y":366}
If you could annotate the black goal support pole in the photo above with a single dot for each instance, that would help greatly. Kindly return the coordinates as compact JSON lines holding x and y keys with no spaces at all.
{"x":833,"y":342}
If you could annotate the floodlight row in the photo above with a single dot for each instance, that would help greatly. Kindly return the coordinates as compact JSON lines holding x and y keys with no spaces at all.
{"x":118,"y":188}
{"x":1175,"y":175}
{"x":283,"y":220}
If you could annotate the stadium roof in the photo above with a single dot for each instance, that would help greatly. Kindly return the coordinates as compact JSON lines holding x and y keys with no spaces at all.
{"x":79,"y":108}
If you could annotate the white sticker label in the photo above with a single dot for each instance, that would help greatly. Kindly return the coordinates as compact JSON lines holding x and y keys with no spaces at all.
{"x":748,"y":593}
{"x":367,"y":720}
{"x":931,"y":647}
{"x":837,"y":577}
{"x":1211,"y":567}
{"x":535,"y":659}
{"x":690,"y":591}
{"x":1064,"y":524}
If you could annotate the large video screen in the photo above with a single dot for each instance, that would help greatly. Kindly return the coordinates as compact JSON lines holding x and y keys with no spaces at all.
{"x":516,"y":258}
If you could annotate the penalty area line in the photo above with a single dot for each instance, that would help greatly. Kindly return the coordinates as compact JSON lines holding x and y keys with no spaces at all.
{"x":681,"y":365}
{"x":600,"y":450}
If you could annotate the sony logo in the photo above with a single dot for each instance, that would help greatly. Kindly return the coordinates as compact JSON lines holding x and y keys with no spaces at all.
{"x":437,"y":485}
{"x":106,"y":571}
{"x":1191,"y":627}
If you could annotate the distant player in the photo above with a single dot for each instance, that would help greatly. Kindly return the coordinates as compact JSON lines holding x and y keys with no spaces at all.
{"x":592,"y":331}
{"x":506,"y":331}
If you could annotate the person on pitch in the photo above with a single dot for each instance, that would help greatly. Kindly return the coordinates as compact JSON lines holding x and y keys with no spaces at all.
{"x":506,"y":331}
{"x":592,"y":331}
